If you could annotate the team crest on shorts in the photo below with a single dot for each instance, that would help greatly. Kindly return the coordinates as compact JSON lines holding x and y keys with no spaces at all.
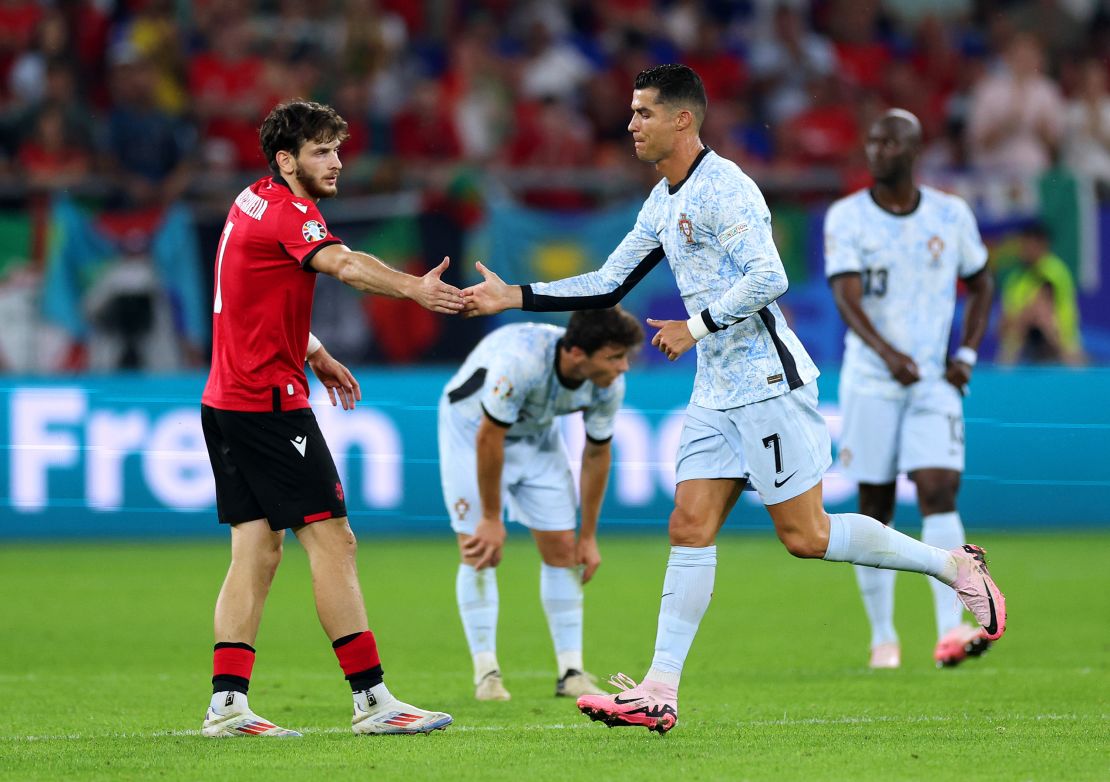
{"x":846,"y":457}
{"x":686,"y":227}
{"x":936,"y":247}
{"x":313,"y":231}
{"x":462,"y":507}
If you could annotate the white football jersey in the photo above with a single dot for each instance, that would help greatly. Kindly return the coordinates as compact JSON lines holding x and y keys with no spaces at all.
{"x":511,"y":376}
{"x":714,"y":229}
{"x":909,"y":265}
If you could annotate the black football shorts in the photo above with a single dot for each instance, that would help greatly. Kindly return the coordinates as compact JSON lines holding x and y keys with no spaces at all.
{"x":274,"y":466}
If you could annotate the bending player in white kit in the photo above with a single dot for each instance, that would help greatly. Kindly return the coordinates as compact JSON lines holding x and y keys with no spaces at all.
{"x":893,"y":254}
{"x":499,"y":441}
{"x":753,"y":414}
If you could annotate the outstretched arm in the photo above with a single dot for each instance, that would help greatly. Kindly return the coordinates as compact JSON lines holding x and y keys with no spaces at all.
{"x":367,"y":273}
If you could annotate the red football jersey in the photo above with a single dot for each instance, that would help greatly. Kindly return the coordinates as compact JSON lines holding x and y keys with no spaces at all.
{"x":263,"y":300}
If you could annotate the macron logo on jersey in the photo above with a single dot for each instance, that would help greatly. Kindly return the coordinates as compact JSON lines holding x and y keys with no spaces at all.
{"x":302,"y":207}
{"x":300,"y":443}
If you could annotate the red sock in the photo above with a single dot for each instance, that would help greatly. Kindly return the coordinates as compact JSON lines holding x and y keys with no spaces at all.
{"x":231,"y":667}
{"x":358,"y":657}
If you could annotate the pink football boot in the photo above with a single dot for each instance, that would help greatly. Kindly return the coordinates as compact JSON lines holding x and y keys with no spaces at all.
{"x":650,"y":704}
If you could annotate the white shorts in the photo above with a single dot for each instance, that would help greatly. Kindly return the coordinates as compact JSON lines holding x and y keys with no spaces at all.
{"x":780,"y":445}
{"x":882,"y":437}
{"x":536,"y":481}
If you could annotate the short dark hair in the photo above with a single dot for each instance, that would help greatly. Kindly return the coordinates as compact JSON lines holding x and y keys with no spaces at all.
{"x":677,"y":84}
{"x":592,"y":330}
{"x":294,"y":123}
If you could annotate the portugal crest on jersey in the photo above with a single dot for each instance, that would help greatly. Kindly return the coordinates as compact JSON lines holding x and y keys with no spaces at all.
{"x":313,"y":231}
{"x":936,"y":247}
{"x":686,"y":227}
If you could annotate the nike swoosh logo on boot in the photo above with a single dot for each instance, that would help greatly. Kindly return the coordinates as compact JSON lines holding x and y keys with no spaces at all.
{"x":991,"y":628}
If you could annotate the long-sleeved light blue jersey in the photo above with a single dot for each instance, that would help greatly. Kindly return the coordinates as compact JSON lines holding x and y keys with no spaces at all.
{"x":714,"y":229}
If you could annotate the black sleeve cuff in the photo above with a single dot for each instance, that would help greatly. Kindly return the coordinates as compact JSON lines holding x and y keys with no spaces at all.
{"x":708,"y":321}
{"x":497,"y":421}
{"x":312,"y":254}
{"x":602,"y":441}
{"x":527,"y":298}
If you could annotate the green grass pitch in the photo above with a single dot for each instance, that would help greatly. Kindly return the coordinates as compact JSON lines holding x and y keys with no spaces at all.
{"x":106,"y":655}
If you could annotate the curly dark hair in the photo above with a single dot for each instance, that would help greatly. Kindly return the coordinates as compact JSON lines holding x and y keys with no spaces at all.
{"x":293,"y":124}
{"x":678,"y":85}
{"x":592,"y":330}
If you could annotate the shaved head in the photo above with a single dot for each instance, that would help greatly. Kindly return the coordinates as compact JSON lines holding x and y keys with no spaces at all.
{"x":903,"y":123}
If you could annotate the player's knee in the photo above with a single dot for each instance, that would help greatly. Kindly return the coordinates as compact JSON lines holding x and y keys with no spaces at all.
{"x":801,"y":544}
{"x":561,"y":555}
{"x":689,"y":530}
{"x":937,"y":497}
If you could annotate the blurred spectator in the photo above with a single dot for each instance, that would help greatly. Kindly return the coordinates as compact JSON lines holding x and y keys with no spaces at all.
{"x":722,"y":72}
{"x":477,"y":90}
{"x":372,"y":47}
{"x":48,"y":157}
{"x":224,"y":82}
{"x":155,"y":34}
{"x":786,"y":64}
{"x":147,"y":151}
{"x":423,"y":132}
{"x":551,"y":135}
{"x":826,"y":132}
{"x":1040,"y":314}
{"x":1087,"y":134}
{"x":1016,"y":114}
{"x":551,"y":68}
{"x":862,"y":56}
{"x":27,"y":77}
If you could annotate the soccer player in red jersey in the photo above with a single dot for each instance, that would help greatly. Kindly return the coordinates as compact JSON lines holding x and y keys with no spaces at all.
{"x":273,"y":469}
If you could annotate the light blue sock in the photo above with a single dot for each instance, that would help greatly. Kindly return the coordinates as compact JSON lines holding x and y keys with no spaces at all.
{"x":476,"y":592}
{"x":687,"y":589}
{"x":945,"y":531}
{"x":862,"y":540}
{"x":561,"y":594}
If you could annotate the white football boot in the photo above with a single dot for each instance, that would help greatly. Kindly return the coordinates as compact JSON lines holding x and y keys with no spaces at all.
{"x":378,"y":712}
{"x":229,"y":716}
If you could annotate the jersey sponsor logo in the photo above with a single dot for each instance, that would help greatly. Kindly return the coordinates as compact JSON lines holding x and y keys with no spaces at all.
{"x":303,"y":209}
{"x":300,"y":443}
{"x":774,"y":379}
{"x":686,"y":228}
{"x":251,"y":204}
{"x":737,"y":230}
{"x":462,"y":507}
{"x":936,"y":247}
{"x":313,"y":231}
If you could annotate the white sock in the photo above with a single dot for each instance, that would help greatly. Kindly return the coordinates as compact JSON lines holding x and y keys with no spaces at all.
{"x":476,"y":592}
{"x":687,"y":589}
{"x":228,"y":702}
{"x":876,"y":587}
{"x":561,"y":595}
{"x":374,"y":698}
{"x":861,"y":539}
{"x":945,"y":531}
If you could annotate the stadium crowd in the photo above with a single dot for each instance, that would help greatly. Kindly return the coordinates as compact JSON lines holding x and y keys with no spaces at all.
{"x":140,"y":102}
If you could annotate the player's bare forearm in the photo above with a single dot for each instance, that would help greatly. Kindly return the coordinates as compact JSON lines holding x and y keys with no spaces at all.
{"x":980,"y":291}
{"x":596,"y":461}
{"x":848,"y":295}
{"x":490,"y":448}
{"x":369,"y":274}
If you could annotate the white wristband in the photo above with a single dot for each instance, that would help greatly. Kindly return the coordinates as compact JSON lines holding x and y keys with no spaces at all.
{"x":697,"y":327}
{"x":314,"y":344}
{"x":966,"y":355}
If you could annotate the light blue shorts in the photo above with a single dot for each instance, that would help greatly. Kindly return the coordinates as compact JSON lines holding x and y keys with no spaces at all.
{"x":882,"y":437}
{"x":780,"y":445}
{"x":536,"y":481}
